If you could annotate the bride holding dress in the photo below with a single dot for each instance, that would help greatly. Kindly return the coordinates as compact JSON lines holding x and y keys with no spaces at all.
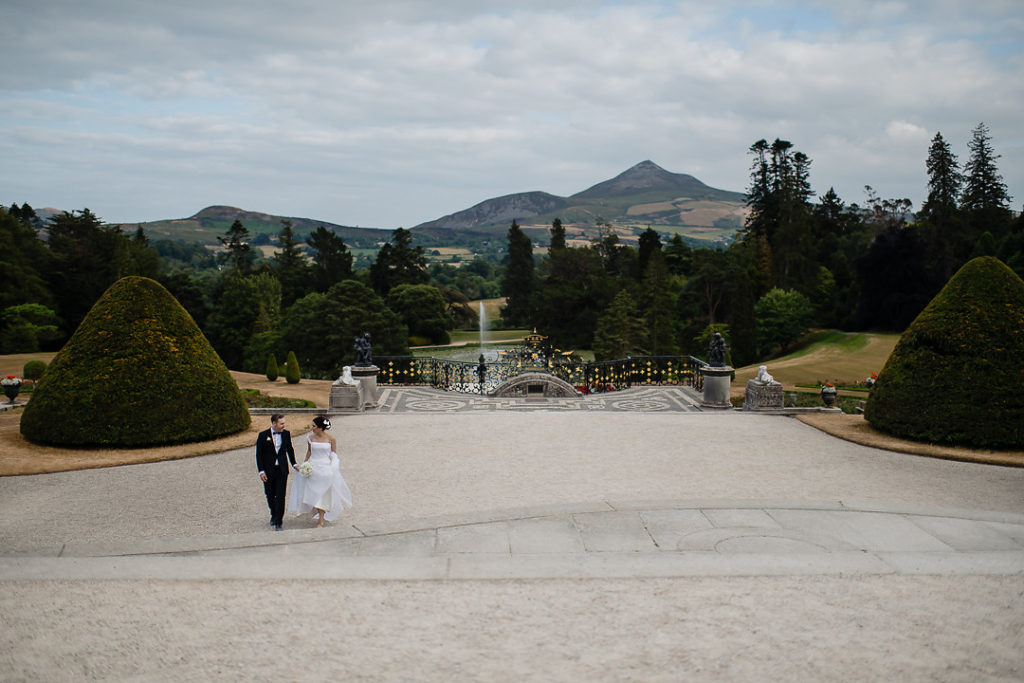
{"x":324,"y":489}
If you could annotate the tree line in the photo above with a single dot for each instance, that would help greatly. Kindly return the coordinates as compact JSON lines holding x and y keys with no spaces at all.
{"x":795,"y":264}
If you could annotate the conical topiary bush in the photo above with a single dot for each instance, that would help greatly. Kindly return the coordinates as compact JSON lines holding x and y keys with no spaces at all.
{"x":292,"y":374}
{"x":272,"y":369}
{"x":957,"y":373}
{"x":136,"y":372}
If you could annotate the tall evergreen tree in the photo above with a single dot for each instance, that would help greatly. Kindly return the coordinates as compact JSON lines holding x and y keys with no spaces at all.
{"x":656,"y":307}
{"x":778,"y":225}
{"x":290,"y":266}
{"x":399,"y":263}
{"x":620,"y":330}
{"x":944,"y":181}
{"x":985,"y":199}
{"x":649,"y":244}
{"x":678,"y":256}
{"x":557,"y":234}
{"x":941,"y":221}
{"x":332,"y":261}
{"x":518,"y":283}
{"x":239,"y":255}
{"x":88,"y":257}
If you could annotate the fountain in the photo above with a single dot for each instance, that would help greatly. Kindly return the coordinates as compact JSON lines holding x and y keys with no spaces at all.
{"x":483,"y":324}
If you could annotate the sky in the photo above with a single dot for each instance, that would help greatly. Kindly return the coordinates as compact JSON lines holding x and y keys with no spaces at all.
{"x":395,"y":112}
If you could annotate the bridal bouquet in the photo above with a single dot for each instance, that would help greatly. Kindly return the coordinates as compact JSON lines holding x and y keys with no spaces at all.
{"x":305,"y":469}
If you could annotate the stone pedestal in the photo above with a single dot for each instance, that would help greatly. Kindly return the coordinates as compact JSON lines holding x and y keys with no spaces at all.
{"x":366,"y":375}
{"x":346,"y":398}
{"x":716,"y":387}
{"x":763,"y":396}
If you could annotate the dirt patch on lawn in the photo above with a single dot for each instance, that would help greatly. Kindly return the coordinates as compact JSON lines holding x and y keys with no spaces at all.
{"x":20,"y":456}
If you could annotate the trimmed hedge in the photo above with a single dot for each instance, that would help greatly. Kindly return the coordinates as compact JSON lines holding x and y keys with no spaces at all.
{"x":136,"y":372}
{"x":957,"y":373}
{"x":292,"y":375}
{"x":272,"y":370}
{"x":34,"y":370}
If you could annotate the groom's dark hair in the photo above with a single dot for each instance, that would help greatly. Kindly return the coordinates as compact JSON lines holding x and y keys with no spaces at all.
{"x":275,"y":417}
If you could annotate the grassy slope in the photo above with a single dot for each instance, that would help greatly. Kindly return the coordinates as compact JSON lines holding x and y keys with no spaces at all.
{"x":845,"y":356}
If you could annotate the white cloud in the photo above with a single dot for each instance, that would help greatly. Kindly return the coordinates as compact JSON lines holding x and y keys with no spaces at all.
{"x":333,"y":110}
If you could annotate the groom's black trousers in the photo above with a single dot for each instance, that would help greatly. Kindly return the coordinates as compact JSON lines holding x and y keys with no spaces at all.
{"x":275,"y":487}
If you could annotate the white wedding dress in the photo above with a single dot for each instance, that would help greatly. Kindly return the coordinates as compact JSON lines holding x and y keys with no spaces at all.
{"x":324,"y":488}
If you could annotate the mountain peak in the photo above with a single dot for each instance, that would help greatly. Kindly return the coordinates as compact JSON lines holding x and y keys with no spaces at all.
{"x":646,"y":176}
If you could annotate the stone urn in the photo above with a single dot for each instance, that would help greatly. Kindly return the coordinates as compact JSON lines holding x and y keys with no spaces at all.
{"x":828,"y":395}
{"x":11,"y":390}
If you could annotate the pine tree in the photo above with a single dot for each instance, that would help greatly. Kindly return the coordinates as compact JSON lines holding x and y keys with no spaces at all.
{"x":290,"y":266}
{"x":941,"y":221}
{"x":239,"y":255}
{"x":332,"y":261}
{"x":557,"y":234}
{"x":518,"y":283}
{"x":399,"y":263}
{"x":985,"y":199}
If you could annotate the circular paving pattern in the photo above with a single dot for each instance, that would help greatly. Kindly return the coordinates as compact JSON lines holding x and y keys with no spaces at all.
{"x":435,"y":405}
{"x":640,"y":404}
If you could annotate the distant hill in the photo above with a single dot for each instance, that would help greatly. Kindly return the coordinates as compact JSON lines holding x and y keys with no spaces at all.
{"x":644,"y":195}
{"x":214,"y":221}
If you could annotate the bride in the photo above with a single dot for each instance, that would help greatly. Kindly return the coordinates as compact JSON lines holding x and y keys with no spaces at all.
{"x":324,"y":490}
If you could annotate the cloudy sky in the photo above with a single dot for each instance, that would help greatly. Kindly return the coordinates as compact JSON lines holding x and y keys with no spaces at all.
{"x":394,"y":112}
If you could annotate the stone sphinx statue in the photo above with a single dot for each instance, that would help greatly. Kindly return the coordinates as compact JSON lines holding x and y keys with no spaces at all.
{"x":763,"y":376}
{"x":346,"y":376}
{"x":763,"y":392}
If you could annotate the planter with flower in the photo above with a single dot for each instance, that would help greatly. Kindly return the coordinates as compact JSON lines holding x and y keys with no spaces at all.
{"x":828,"y":394}
{"x":12,"y":385}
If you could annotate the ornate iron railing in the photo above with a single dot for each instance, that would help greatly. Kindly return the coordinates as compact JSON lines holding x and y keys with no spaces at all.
{"x":596,"y":376}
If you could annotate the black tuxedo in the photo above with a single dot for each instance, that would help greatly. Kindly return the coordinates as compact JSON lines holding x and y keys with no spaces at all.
{"x":275,"y":464}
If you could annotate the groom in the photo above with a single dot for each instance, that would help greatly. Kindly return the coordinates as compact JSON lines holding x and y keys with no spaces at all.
{"x":273,"y":454}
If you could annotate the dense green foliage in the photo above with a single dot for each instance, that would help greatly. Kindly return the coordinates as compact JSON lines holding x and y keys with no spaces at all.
{"x":273,"y":372}
{"x":783,"y":316}
{"x":34,"y":370}
{"x":136,"y":372}
{"x":321,"y":328}
{"x":423,"y":310}
{"x":957,"y":372}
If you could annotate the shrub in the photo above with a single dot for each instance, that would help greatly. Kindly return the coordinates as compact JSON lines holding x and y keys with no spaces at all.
{"x":136,"y":372}
{"x":34,"y":370}
{"x":292,"y":375}
{"x":956,"y":374}
{"x":272,"y":371}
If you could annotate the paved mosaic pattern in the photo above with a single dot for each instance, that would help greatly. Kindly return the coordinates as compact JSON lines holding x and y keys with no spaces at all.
{"x":635,"y":400}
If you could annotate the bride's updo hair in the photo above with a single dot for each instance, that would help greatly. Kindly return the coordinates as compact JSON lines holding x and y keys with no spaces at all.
{"x":321,"y":422}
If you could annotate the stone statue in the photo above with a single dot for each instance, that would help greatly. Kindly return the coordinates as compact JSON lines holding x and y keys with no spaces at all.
{"x":346,"y":376}
{"x":481,"y":372}
{"x":763,"y":376}
{"x":716,"y":354}
{"x":364,"y":352}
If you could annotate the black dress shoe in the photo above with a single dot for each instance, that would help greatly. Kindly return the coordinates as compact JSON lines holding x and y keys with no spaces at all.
{"x":277,"y":527}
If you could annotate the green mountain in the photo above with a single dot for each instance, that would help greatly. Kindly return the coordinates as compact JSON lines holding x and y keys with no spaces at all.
{"x":214,"y":221}
{"x":644,"y":195}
